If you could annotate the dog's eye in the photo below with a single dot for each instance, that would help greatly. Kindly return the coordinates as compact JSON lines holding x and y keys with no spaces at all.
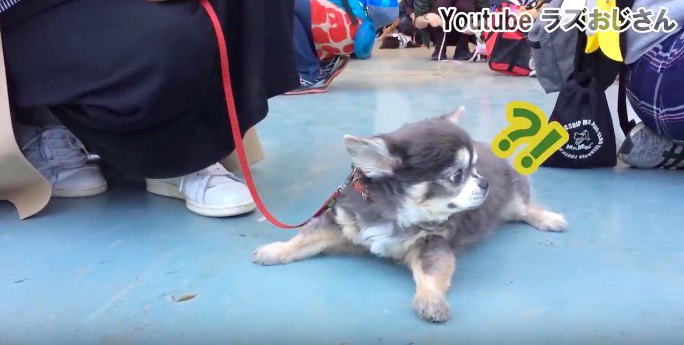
{"x":457,"y":176}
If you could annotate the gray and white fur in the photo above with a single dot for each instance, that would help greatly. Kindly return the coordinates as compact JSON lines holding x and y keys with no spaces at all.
{"x":428,"y":191}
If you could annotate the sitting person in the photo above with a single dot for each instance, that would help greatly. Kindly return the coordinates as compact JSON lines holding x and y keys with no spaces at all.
{"x":393,"y":38}
{"x":401,"y":33}
{"x":327,"y":32}
{"x":427,"y":19}
{"x":150,"y":106}
{"x":656,"y":69}
{"x":654,"y":89}
{"x":405,"y":25}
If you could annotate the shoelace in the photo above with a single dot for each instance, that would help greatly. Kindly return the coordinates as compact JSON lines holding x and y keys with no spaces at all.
{"x":328,"y":68}
{"x":307,"y":83}
{"x":59,"y":148}
{"x":326,"y":71}
{"x":205,"y":176}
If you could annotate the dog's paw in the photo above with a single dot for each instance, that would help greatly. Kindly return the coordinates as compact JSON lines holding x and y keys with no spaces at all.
{"x":431,"y":307}
{"x":551,"y":221}
{"x":271,"y":254}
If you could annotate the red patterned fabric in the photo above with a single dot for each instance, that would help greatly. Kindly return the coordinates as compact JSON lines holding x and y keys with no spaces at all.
{"x":332,"y":29}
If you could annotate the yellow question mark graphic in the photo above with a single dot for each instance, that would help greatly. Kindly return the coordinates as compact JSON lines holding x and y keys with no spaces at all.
{"x":528,"y":125}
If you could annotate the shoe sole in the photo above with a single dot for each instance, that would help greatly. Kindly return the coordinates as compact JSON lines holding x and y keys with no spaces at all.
{"x":79,"y":193}
{"x":171,"y":191}
{"x":306,"y":91}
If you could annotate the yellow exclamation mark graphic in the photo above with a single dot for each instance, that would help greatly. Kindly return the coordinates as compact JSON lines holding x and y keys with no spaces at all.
{"x":528,"y":125}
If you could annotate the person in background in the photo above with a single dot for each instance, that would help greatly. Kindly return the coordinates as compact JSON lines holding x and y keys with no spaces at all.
{"x":314,"y":74}
{"x":654,"y":89}
{"x":654,"y":86}
{"x":327,"y":32}
{"x":426,"y":17}
{"x":405,"y":25}
{"x":401,"y":33}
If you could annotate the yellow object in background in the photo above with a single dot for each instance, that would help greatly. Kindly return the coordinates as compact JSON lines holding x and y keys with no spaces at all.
{"x":606,"y":40}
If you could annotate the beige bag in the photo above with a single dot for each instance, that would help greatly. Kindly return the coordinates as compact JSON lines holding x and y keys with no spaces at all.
{"x":253,"y":151}
{"x":22,"y":185}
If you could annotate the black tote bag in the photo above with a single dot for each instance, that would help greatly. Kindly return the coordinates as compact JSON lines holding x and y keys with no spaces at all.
{"x":582,"y":109}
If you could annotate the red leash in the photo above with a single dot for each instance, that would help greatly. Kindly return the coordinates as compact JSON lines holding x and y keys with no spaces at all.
{"x":235,"y":127}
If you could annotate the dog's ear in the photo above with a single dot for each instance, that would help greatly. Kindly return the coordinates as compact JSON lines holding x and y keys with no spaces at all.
{"x":456,"y":115}
{"x":371,"y":155}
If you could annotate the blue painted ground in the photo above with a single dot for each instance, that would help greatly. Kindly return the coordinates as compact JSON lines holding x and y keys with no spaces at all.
{"x":103,"y":270}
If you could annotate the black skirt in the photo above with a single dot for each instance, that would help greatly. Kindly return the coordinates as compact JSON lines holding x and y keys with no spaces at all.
{"x":139,"y":82}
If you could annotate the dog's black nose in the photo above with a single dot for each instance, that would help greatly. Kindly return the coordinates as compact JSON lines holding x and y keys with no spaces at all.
{"x":484,"y":184}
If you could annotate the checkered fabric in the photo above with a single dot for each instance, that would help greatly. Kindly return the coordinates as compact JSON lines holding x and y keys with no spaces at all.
{"x":655,"y":87}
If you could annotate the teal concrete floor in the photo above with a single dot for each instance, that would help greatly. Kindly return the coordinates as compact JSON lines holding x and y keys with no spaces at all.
{"x":103,"y":270}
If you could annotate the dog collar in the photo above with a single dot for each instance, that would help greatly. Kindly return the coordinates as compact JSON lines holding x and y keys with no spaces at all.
{"x":359,"y":182}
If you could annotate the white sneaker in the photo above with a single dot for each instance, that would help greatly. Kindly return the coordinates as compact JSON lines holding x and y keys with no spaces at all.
{"x":211,"y":192}
{"x":62,"y":159}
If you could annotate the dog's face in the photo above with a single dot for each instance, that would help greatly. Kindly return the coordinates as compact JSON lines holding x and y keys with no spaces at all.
{"x":431,"y":163}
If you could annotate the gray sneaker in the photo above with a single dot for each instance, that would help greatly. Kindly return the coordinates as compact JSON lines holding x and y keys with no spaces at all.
{"x":645,"y":149}
{"x":62,"y":159}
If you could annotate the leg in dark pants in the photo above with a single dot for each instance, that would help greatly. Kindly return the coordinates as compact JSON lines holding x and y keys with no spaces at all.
{"x":308,"y":63}
{"x":462,"y":51}
{"x":442,"y":40}
{"x":149,"y":105}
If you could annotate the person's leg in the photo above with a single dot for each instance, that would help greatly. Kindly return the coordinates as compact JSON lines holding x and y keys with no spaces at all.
{"x":57,"y":154}
{"x":654,"y":91}
{"x":308,"y":63}
{"x":150,"y":105}
{"x":311,"y":78}
{"x":462,"y":51}
{"x":146,"y":104}
{"x":439,"y":38}
{"x":462,"y":45}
